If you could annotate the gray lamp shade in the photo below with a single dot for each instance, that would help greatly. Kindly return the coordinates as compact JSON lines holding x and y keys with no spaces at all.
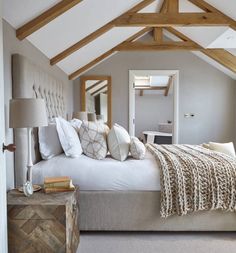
{"x":27,"y":112}
{"x":80,"y":115}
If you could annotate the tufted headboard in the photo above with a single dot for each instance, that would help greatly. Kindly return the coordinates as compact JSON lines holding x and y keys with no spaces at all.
{"x":30,"y":81}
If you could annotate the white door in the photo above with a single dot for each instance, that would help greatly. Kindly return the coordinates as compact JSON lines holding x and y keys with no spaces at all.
{"x":3,"y":218}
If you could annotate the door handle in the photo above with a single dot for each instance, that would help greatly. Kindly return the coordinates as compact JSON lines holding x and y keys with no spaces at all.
{"x":10,"y":148}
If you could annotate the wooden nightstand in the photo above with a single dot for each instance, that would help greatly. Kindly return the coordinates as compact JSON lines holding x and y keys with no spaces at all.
{"x":43,"y":222}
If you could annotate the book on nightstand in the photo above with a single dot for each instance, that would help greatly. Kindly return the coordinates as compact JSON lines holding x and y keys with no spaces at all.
{"x":58,"y":184}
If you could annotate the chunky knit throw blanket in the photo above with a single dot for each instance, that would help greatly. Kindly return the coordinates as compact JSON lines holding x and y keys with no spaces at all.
{"x":194,"y":178}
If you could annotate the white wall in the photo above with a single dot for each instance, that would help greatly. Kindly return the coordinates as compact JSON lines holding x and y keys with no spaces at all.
{"x":203,"y":90}
{"x":150,"y":110}
{"x":11,"y":46}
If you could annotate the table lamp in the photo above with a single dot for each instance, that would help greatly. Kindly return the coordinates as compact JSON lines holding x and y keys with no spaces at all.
{"x":28,"y":113}
{"x":92,"y":116}
{"x":81,"y":115}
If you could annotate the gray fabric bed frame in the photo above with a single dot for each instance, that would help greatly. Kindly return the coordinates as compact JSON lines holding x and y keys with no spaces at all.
{"x":140,"y":211}
{"x":102,"y":210}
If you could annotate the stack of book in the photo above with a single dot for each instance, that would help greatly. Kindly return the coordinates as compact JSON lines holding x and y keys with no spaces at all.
{"x":58,"y":184}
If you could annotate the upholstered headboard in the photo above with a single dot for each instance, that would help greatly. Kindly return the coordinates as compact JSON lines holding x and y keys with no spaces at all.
{"x":30,"y":81}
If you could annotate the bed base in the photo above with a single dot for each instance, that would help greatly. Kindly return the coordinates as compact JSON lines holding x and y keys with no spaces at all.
{"x":140,"y":211}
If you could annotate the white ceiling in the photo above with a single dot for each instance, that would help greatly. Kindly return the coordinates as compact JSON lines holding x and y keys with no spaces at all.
{"x":89,"y":15}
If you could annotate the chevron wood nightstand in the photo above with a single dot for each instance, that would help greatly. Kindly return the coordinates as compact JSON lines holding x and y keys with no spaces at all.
{"x":43,"y":222}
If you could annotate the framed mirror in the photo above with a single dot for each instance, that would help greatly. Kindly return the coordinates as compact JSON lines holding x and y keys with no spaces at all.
{"x":95,"y":97}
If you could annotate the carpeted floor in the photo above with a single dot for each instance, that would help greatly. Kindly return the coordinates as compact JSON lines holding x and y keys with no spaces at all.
{"x":188,"y":242}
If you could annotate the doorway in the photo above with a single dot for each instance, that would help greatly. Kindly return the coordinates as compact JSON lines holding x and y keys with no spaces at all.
{"x":165,"y":85}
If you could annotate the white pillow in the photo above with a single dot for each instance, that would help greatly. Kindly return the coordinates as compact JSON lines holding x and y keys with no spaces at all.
{"x":76,"y":123}
{"x":68,"y":137}
{"x":93,"y":139}
{"x":118,"y":142}
{"x":226,"y":148}
{"x":49,"y":143}
{"x":137,"y":148}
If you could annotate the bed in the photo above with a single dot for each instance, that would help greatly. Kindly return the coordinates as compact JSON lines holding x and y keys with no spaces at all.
{"x":114,"y":196}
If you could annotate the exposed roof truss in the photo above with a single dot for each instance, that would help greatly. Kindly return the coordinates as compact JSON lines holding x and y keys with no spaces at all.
{"x":167,"y":18}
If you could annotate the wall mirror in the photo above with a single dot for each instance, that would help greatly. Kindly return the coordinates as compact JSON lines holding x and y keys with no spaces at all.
{"x":95,"y":97}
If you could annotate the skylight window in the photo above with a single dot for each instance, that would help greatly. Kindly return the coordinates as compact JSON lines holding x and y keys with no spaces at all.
{"x":159,"y":80}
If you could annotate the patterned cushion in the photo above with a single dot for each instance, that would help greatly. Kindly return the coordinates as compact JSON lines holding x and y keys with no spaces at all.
{"x":93,"y":139}
{"x":137,"y":148}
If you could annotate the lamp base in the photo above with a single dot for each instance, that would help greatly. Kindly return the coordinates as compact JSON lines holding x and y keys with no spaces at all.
{"x":36,"y":188}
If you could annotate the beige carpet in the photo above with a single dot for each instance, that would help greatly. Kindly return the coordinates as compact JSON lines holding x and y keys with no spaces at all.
{"x":189,"y":242}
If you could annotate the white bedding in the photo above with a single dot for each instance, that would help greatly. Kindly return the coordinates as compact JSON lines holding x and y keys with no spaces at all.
{"x":102,"y":175}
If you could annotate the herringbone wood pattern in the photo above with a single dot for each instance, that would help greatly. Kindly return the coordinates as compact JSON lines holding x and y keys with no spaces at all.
{"x":43,"y":228}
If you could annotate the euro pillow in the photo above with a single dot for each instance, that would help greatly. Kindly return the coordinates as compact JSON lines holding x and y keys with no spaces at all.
{"x":118,"y":142}
{"x":93,"y":139}
{"x":226,"y":148}
{"x":49,"y":143}
{"x":137,"y":148}
{"x":69,"y":138}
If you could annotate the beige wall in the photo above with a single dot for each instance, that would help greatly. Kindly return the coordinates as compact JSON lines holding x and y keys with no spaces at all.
{"x":12,"y":45}
{"x":204,"y":90}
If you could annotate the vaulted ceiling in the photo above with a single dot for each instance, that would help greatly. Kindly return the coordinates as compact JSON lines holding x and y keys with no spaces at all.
{"x":78,"y":34}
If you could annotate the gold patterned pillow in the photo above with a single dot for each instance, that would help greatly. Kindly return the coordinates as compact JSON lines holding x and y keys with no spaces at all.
{"x":93,"y":139}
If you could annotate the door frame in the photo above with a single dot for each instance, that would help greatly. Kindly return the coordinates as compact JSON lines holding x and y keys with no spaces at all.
{"x":175,"y":74}
{"x":3,"y":201}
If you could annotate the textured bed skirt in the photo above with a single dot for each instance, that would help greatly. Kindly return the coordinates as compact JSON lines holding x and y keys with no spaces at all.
{"x":140,"y":211}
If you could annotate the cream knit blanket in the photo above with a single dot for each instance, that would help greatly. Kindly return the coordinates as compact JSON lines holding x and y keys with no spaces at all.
{"x":194,"y":178}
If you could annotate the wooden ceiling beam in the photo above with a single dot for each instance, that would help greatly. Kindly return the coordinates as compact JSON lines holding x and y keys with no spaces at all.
{"x":171,"y":19}
{"x":158,"y":34}
{"x":164,"y":6}
{"x":221,"y":56}
{"x":150,"y":88}
{"x":107,"y":27}
{"x":46,"y":17}
{"x":154,"y":46}
{"x":173,"y":6}
{"x":100,"y":89}
{"x":141,"y":93}
{"x":209,"y":8}
{"x":168,"y":86}
{"x":94,"y":85}
{"x":107,"y":54}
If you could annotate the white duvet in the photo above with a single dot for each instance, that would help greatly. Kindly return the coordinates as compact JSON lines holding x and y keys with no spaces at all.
{"x":102,"y":175}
